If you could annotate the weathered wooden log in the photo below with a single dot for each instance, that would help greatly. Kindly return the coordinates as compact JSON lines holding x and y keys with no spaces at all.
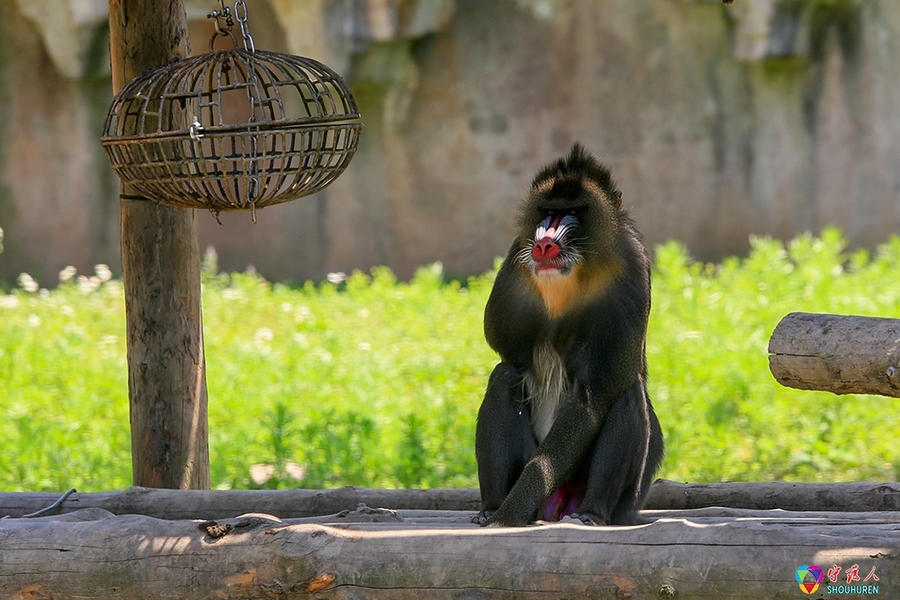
{"x":665,"y":495}
{"x":219,"y":504}
{"x":839,"y":354}
{"x":677,"y":556}
{"x":787,"y":495}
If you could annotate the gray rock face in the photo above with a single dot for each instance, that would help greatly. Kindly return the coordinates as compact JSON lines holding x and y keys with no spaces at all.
{"x":67,"y":29}
{"x":764,"y":117}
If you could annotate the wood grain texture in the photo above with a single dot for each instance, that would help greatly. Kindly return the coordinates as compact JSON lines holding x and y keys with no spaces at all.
{"x":710,"y":554}
{"x":835,"y":353}
{"x":161,"y":272}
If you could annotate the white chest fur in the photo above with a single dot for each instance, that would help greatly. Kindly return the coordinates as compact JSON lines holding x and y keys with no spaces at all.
{"x":546,"y":385}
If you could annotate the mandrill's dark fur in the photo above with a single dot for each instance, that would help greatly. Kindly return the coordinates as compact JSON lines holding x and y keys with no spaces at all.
{"x":566,"y":426}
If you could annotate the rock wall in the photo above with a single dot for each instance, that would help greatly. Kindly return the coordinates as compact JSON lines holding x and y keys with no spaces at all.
{"x":763,"y":117}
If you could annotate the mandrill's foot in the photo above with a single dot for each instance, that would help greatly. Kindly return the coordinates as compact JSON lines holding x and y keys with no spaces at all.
{"x":589,"y":518}
{"x":586,"y":518}
{"x":483,"y":517}
{"x":490,"y":518}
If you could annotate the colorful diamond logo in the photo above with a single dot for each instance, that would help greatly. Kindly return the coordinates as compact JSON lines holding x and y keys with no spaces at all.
{"x":809,"y":577}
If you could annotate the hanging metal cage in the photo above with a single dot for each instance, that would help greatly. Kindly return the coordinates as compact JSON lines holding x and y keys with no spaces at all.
{"x":232,"y":129}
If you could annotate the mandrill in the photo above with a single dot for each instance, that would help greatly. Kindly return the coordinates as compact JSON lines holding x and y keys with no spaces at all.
{"x":566,"y":428}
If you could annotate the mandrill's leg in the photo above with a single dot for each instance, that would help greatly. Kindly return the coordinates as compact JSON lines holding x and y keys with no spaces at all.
{"x":623,"y":462}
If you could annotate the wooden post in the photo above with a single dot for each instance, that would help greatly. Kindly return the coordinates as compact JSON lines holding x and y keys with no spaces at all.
{"x":161,"y":270}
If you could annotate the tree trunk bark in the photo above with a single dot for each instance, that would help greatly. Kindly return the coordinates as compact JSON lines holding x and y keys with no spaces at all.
{"x":839,"y":354}
{"x":161,"y":270}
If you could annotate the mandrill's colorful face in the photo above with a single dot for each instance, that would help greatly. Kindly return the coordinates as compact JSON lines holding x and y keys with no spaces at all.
{"x":550,"y":237}
{"x":555,"y":254}
{"x":552,"y":259}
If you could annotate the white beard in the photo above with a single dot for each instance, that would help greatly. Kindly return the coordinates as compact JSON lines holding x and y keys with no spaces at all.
{"x":546,"y":385}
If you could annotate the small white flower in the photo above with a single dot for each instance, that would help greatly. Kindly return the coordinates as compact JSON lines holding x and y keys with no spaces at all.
{"x":27,"y":283}
{"x":263,"y":335}
{"x":337,"y":277}
{"x":365,"y":346}
{"x":67,"y":274}
{"x":302,"y":313}
{"x":34,"y":320}
{"x":261,"y":473}
{"x":103,"y":272}
{"x":296,"y":471}
{"x":86,"y":285}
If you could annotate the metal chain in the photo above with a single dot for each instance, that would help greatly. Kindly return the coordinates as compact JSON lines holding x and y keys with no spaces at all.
{"x":253,"y":188}
{"x":240,"y":11}
{"x":196,"y":129}
{"x":225,"y":14}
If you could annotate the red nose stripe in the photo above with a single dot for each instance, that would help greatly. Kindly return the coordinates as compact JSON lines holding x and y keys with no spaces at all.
{"x":556,"y":221}
{"x":554,"y":224}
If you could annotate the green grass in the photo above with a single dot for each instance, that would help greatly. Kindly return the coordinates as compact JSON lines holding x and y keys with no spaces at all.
{"x":375,"y":382}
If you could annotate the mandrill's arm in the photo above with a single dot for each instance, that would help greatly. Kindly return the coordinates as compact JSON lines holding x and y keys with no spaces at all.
{"x":569,"y":439}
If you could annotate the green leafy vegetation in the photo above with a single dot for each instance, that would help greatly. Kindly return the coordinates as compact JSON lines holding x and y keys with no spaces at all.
{"x":375,"y":382}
